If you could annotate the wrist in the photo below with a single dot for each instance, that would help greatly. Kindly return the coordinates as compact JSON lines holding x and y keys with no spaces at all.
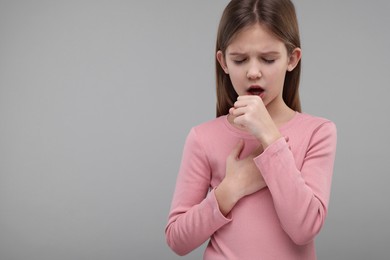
{"x":266,"y":138}
{"x":226,"y":197}
{"x":270,"y":139}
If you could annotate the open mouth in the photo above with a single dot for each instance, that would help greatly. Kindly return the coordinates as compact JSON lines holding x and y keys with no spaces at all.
{"x":255,"y":90}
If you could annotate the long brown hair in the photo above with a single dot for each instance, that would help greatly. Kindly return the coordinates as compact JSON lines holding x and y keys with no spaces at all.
{"x":280,"y":18}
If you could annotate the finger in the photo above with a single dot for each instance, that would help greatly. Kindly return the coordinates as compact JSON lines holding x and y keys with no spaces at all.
{"x":231,"y":110}
{"x":243,"y":97}
{"x":238,"y":111}
{"x":237,"y":149}
{"x":247,"y":100}
{"x":247,"y":97}
{"x":240,"y":103}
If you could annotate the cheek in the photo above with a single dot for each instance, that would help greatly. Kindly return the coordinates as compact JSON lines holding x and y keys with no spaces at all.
{"x":235,"y":76}
{"x":277,"y":74}
{"x":237,"y":81}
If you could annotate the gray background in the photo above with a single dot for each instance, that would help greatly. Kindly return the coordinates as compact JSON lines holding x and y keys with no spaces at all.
{"x":97,"y":97}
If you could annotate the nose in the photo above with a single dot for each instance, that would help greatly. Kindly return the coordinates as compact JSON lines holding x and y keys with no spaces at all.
{"x":254,"y":71}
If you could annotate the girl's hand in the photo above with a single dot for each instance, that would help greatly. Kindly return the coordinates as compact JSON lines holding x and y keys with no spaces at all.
{"x":242,"y":178}
{"x":243,"y":173}
{"x":250,"y":112}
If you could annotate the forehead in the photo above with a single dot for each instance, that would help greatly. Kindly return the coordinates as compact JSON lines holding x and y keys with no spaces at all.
{"x":257,"y":37}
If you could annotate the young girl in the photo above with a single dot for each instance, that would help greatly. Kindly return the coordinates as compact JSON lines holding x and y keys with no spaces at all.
{"x":256,"y":180}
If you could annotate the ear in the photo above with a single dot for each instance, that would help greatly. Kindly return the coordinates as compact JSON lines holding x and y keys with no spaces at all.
{"x":222,"y":61}
{"x":294,"y":58}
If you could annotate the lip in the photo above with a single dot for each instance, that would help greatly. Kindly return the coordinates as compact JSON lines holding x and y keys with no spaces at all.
{"x":256,"y":90}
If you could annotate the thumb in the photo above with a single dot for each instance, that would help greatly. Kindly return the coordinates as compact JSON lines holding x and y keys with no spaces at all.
{"x":237,"y":149}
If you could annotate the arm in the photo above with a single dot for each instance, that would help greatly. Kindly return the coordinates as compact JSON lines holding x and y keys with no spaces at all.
{"x":301,"y":197}
{"x":194,"y":214}
{"x":242,"y":178}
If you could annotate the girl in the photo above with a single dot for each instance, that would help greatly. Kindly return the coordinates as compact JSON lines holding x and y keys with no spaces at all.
{"x":256,"y":180}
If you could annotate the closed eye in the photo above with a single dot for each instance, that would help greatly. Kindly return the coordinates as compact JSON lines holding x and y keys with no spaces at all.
{"x":268,"y":61}
{"x":239,"y":61}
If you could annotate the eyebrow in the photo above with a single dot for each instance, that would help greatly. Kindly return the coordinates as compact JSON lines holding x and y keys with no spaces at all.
{"x":261,"y":53}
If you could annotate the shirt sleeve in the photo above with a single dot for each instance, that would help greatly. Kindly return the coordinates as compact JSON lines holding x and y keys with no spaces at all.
{"x":301,"y":197}
{"x":194,"y":214}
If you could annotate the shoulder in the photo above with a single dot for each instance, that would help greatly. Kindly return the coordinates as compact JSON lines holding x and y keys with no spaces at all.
{"x":206,"y":129}
{"x":204,"y":135}
{"x":306,"y":128}
{"x":316,"y":129}
{"x":212,"y":134}
{"x":311,"y":135}
{"x":313,"y":123}
{"x":211,"y":127}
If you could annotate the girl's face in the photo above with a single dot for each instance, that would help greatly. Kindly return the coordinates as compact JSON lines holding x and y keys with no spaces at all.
{"x":257,"y":62}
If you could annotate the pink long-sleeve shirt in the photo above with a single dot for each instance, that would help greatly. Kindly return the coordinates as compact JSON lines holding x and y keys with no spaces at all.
{"x":277,"y":222}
